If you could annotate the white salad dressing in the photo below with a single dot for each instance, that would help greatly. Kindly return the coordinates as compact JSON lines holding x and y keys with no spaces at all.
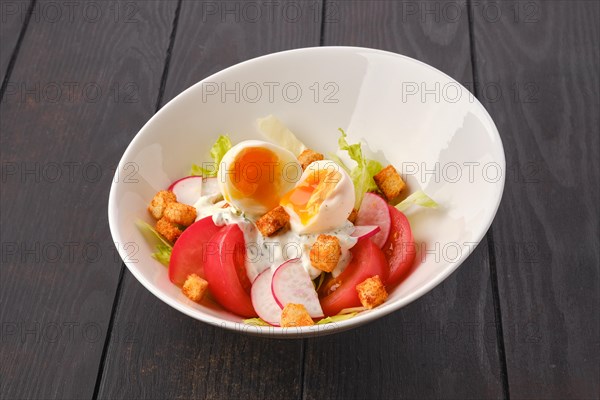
{"x":270,"y":252}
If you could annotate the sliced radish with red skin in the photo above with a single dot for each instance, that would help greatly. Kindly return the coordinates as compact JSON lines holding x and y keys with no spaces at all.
{"x":210,"y":186}
{"x":292,"y":284}
{"x":188,"y":190}
{"x":365,"y":232}
{"x":375,"y":211}
{"x":263,"y":301}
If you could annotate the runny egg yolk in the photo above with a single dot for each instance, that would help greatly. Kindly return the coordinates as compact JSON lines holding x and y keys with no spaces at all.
{"x":308,"y":196}
{"x":256,"y":174}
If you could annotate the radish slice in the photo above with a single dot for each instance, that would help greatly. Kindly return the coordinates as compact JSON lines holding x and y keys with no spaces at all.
{"x":374,"y":211}
{"x":292,"y":284}
{"x":262,"y":298}
{"x":188,"y":190}
{"x":210,"y":186}
{"x":366,"y":231}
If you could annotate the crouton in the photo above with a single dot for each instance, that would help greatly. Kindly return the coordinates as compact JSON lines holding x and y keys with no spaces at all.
{"x":295,"y":315}
{"x":159,"y":203}
{"x":168,"y":229}
{"x":353,"y":215}
{"x":180,"y":214}
{"x":390,"y":182}
{"x":194,"y":287}
{"x":275,"y":221}
{"x":325,"y":253}
{"x":308,"y":156}
{"x":371,"y":292}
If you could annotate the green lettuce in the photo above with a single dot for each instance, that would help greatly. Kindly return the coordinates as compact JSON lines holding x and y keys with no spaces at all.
{"x":418,"y":198}
{"x":319,"y":281}
{"x":163,"y":247}
{"x":334,"y":157}
{"x":256,"y":322}
{"x":362,"y":174}
{"x":345,"y":314}
{"x":163,"y":254}
{"x":336,"y":318}
{"x":274,"y":130}
{"x":218,"y":150}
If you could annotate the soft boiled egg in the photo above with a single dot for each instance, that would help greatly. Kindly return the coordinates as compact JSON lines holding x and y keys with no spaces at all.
{"x":322,"y":199}
{"x":253,"y":176}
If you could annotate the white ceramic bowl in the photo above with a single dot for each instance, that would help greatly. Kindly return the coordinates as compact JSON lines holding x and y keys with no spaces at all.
{"x":408,"y":113}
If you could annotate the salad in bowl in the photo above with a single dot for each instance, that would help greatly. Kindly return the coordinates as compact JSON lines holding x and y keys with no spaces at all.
{"x":270,"y":231}
{"x":283,"y":235}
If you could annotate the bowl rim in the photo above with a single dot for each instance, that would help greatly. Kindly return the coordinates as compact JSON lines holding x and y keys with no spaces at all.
{"x":315,"y":330}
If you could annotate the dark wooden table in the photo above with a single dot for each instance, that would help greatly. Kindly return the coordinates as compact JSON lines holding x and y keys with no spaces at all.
{"x":519,"y":319}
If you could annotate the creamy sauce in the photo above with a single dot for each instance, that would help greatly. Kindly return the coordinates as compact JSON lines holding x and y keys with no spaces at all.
{"x":271,"y":252}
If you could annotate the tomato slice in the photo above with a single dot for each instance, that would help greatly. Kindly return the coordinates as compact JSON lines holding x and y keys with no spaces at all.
{"x":338,"y":293}
{"x":399,"y":249}
{"x":188,"y":252}
{"x":225,"y":271}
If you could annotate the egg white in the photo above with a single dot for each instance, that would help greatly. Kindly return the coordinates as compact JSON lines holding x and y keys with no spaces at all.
{"x":334,"y":210}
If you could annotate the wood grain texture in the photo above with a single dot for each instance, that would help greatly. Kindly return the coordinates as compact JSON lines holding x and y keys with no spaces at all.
{"x":175,"y":356}
{"x":444,"y":344}
{"x":81,"y":88}
{"x":215,"y":36}
{"x":543,"y":64}
{"x":13,"y":15}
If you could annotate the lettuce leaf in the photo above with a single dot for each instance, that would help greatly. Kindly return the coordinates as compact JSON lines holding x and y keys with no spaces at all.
{"x":163,"y":254}
{"x":256,"y":322}
{"x":418,"y":198}
{"x":352,"y":309}
{"x":336,"y":318}
{"x":163,"y":247}
{"x":319,"y":281}
{"x":345,"y":314}
{"x":274,"y":130}
{"x":218,"y":150}
{"x":362,"y":174}
{"x":334,"y":157}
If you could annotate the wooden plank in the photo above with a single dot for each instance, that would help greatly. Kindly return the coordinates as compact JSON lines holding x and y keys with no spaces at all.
{"x":13,"y":17}
{"x":172,"y":355}
{"x":83,"y":86}
{"x":444,"y":344}
{"x":537,"y":67}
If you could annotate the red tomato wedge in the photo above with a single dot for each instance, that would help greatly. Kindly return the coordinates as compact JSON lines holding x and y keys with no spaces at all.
{"x":338,"y":293}
{"x":225,"y":271}
{"x":188,"y":256}
{"x":399,"y":249}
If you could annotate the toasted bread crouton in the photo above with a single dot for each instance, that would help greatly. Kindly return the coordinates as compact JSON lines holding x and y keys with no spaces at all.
{"x":371,"y":292}
{"x":194,"y":287}
{"x":325,"y":253}
{"x":390,"y":182}
{"x":295,"y":315}
{"x":308,"y":156}
{"x":353,"y":215}
{"x":159,"y":203}
{"x":168,"y":229}
{"x":180,"y":214}
{"x":275,"y":221}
